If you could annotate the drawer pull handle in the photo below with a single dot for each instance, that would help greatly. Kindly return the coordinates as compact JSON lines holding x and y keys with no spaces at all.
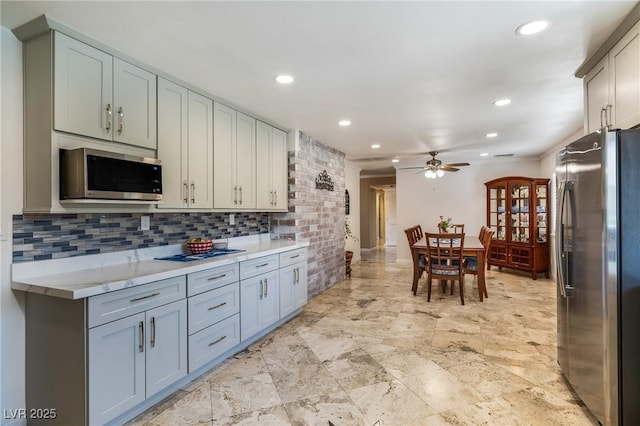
{"x":217,"y":306}
{"x":217,"y":340}
{"x":144,"y":297}
{"x":217,"y":277}
{"x":293,"y":257}
{"x":141,"y":336}
{"x":260,"y":266}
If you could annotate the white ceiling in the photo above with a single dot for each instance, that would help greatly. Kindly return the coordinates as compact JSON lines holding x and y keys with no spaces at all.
{"x":411,"y":76}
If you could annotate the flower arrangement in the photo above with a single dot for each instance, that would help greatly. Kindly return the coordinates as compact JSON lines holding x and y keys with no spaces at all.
{"x":444,"y":224}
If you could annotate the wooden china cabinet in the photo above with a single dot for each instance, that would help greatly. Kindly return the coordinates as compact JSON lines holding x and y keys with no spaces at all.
{"x":518,"y":214}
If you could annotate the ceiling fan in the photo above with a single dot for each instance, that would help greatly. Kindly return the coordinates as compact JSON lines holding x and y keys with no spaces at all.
{"x":434,"y":167}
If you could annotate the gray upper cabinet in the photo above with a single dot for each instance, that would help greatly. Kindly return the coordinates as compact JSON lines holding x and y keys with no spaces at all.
{"x":612,"y":86}
{"x":271,"y":168}
{"x":234,"y":159}
{"x":185,"y":146}
{"x":100,"y":96}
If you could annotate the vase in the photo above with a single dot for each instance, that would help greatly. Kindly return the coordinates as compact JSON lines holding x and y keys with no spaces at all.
{"x":349,"y":256}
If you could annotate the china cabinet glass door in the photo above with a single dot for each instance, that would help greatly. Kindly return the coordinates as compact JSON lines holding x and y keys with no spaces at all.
{"x":519,"y":193}
{"x":497,"y":211}
{"x":541,"y":212}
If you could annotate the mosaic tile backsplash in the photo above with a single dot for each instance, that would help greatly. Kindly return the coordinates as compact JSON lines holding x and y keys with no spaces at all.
{"x":40,"y":237}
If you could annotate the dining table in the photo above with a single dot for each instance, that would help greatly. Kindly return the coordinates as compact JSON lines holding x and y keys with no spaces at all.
{"x":472,"y":247}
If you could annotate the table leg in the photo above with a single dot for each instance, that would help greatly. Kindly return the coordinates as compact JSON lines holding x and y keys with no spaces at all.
{"x":416,"y":268}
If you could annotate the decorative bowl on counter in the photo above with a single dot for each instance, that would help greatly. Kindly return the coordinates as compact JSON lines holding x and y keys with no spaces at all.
{"x":199,"y":247}
{"x":220,"y":244}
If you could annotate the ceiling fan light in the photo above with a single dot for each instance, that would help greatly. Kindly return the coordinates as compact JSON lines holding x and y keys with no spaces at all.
{"x":440,"y":173}
{"x":429,"y":174}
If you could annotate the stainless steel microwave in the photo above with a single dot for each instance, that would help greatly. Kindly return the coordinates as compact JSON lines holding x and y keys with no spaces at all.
{"x":87,"y":173}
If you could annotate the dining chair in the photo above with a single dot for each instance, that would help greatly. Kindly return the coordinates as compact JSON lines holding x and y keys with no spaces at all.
{"x":471,"y":262}
{"x":414,"y":234}
{"x":458,"y":229}
{"x":444,"y":254}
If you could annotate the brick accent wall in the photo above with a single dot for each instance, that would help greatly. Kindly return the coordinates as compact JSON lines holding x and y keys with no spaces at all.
{"x":316,"y":215}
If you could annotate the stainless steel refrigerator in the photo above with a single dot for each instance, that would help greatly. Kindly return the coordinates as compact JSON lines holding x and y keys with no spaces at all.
{"x":598,"y":272}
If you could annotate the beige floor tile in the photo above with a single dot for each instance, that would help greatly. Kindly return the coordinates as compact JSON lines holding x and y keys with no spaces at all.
{"x":335,"y":408}
{"x":368,"y":349}
{"x":390,"y":402}
{"x":442,"y":391}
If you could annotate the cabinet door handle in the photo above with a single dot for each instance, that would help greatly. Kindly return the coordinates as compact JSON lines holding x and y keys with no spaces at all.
{"x":144,"y":297}
{"x":121,"y":120}
{"x":217,"y":340}
{"x":220,"y":305}
{"x":235,"y":195}
{"x":275,"y":200}
{"x":153,"y":332}
{"x":297,"y":275}
{"x":240,"y":188}
{"x":185,"y":186}
{"x":141,"y":336}
{"x":193,"y":192}
{"x":217,"y":277}
{"x":266,"y":288}
{"x":109,"y":114}
{"x":271,"y":194}
{"x":261,"y":289}
{"x":608,"y":116}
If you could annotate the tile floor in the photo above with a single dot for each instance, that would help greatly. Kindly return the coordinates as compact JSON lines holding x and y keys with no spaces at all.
{"x":367,"y":350}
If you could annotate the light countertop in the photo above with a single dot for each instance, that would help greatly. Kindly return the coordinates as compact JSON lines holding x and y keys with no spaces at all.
{"x":84,"y":276}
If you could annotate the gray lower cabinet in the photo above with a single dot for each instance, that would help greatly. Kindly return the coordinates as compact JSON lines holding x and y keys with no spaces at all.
{"x":133,"y":358}
{"x":293,"y":281}
{"x":114,"y":351}
{"x":293,"y":288}
{"x":259,"y":303}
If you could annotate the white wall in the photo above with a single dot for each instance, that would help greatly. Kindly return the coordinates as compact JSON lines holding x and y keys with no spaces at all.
{"x":461,"y":196}
{"x":12,"y":343}
{"x":352,"y":184}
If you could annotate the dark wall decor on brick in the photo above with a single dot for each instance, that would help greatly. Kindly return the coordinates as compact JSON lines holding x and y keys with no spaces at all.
{"x":54,"y":236}
{"x":316,"y":215}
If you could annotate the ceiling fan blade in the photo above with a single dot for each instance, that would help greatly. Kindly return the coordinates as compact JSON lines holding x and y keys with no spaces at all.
{"x":456,"y":164}
{"x":449,"y":169}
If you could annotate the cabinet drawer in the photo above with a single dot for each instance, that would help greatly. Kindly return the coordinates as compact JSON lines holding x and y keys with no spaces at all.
{"x":293,"y":256}
{"x":202,"y":281}
{"x":251,"y":268}
{"x":213,"y":341}
{"x":208,"y":308}
{"x":122,"y":303}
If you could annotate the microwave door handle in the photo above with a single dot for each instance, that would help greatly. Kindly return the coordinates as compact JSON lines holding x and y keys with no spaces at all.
{"x":560,"y":255}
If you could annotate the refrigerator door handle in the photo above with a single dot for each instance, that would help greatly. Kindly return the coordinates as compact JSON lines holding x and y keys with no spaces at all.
{"x":564,"y":279}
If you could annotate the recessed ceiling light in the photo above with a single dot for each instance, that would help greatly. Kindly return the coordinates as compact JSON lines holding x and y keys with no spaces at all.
{"x":395,"y":160}
{"x":484,"y":154}
{"x":492,"y":135}
{"x":532,"y":27}
{"x":284,"y":79}
{"x":502,"y":102}
{"x":375,"y":146}
{"x":344,"y":123}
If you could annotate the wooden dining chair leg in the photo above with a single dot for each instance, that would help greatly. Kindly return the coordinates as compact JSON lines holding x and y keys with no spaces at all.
{"x":461,"y":291}
{"x":429,"y":288}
